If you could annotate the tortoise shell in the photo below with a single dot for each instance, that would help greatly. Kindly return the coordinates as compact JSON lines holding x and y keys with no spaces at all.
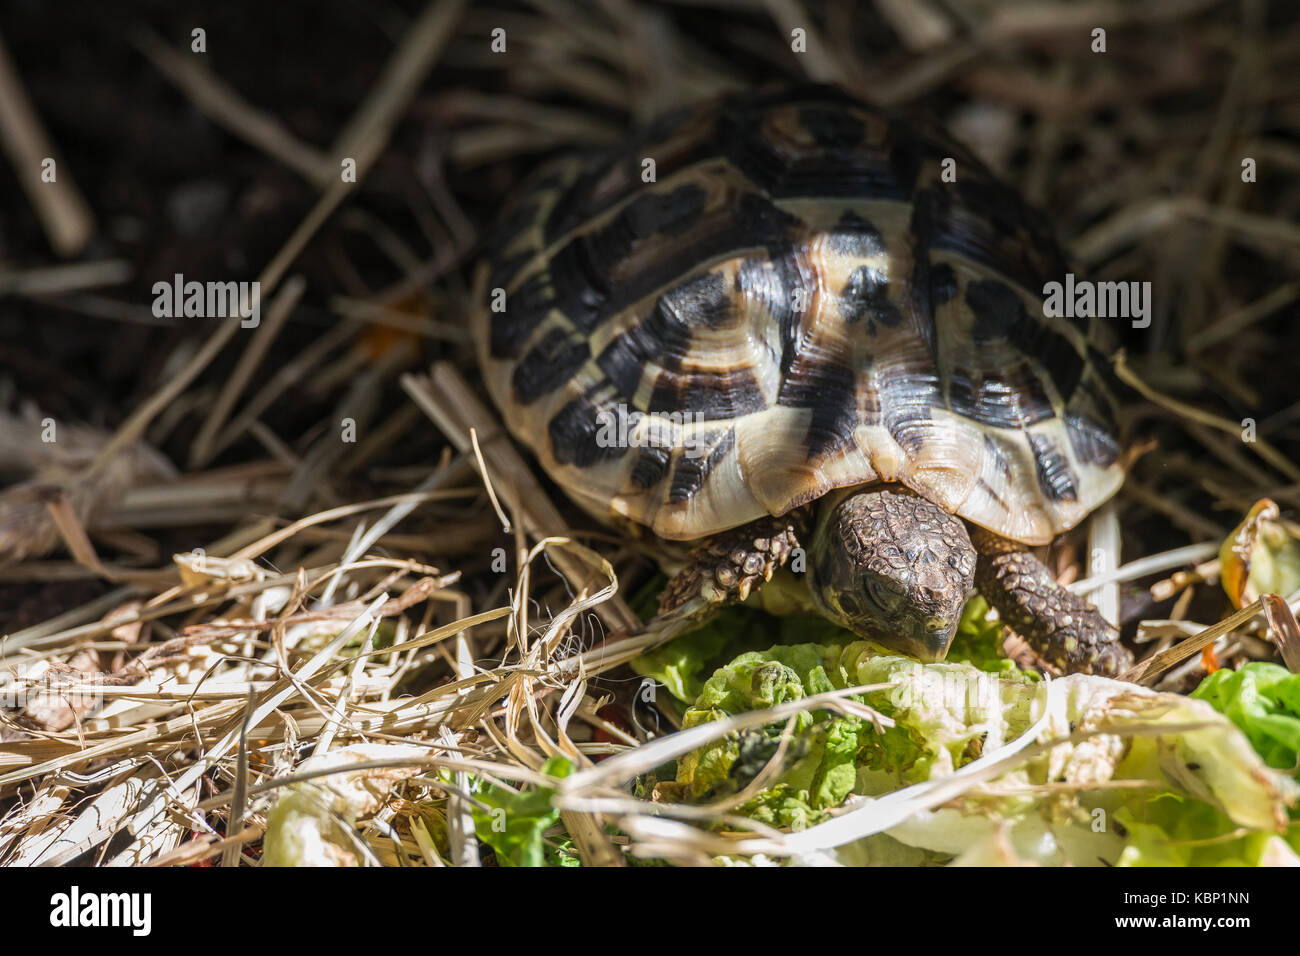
{"x":798,"y":301}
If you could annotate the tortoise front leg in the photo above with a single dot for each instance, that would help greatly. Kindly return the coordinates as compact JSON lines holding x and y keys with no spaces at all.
{"x":727,"y":567}
{"x":721,"y":570}
{"x":1063,"y":628}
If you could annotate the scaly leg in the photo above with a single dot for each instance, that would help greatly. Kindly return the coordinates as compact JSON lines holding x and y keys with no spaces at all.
{"x":726,"y":569}
{"x":1063,"y":628}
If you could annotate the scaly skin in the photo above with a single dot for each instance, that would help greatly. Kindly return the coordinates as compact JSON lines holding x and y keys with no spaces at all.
{"x":1063,"y":628}
{"x":724,"y":569}
{"x":894,"y":567}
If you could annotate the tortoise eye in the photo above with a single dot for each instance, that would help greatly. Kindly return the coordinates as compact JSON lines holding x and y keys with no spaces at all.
{"x":880,"y":594}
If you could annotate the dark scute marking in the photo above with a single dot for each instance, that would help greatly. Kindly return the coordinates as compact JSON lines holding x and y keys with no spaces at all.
{"x":625,"y":358}
{"x":771,"y":284}
{"x":1005,"y":232}
{"x":827,"y":386}
{"x":711,"y":395}
{"x":701,"y":302}
{"x":504,"y":269}
{"x":689,"y":474}
{"x":925,"y":208}
{"x":865,"y":296}
{"x":913,"y":149}
{"x":833,"y":127}
{"x":1090,"y":418}
{"x":670,"y":213}
{"x":836,"y":167}
{"x":582,"y":269}
{"x":650,"y":467}
{"x":575,"y":432}
{"x":1000,"y":315}
{"x":855,"y":237}
{"x":998,"y":310}
{"x":665,"y":335}
{"x":906,"y":408}
{"x":664,"y":338}
{"x":994,"y":450}
{"x":943,"y":284}
{"x":524,"y":310}
{"x":1091,"y":442}
{"x":1011,"y":399}
{"x":581,"y":283}
{"x":759,"y":222}
{"x":757,"y":279}
{"x":548,"y":364}
{"x":987,"y":222}
{"x":1053,"y":470}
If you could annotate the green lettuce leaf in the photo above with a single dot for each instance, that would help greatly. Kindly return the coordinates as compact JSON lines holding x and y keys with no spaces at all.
{"x":514,"y":822}
{"x":682,"y":665}
{"x":1132,"y":776}
{"x":1264,"y":701}
{"x":978,"y":642}
{"x":1171,"y":830}
{"x":822,"y":750}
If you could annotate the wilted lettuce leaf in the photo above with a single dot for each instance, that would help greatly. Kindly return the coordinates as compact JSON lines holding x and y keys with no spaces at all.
{"x":1263,"y":700}
{"x":311,"y":820}
{"x":820,"y":764}
{"x":683,"y":664}
{"x":1171,"y":830}
{"x":1054,"y":808}
{"x":831,"y":755}
{"x":513,"y":823}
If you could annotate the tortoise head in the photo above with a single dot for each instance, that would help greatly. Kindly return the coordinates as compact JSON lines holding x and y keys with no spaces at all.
{"x":892,"y":567}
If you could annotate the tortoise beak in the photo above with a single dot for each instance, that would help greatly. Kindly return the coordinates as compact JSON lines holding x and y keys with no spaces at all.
{"x":930,"y":645}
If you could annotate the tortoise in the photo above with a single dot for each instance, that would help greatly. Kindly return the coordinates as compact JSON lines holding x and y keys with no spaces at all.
{"x":820,"y":334}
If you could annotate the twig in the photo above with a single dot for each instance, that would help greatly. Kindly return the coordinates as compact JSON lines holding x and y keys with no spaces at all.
{"x":62,"y":209}
{"x":202,"y":450}
{"x":56,"y":280}
{"x":1147,"y":670}
{"x":229,"y":110}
